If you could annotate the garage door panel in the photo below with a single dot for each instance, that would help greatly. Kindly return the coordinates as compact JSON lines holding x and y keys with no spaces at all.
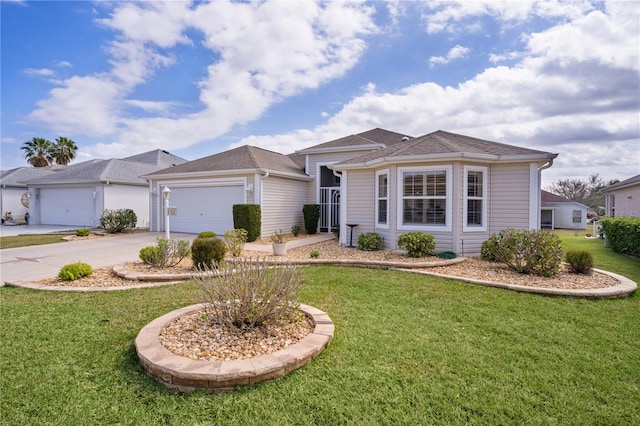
{"x":204,"y":208}
{"x":73,"y":207}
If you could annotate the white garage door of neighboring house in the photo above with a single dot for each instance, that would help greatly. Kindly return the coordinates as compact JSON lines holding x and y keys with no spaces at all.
{"x":74,"y":207}
{"x":204,"y":208}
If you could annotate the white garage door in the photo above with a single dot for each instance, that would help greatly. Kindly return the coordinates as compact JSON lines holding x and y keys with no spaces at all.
{"x":204,"y":208}
{"x":74,"y":207}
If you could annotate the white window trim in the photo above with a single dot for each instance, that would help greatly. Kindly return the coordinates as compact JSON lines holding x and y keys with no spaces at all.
{"x":448,"y":204}
{"x":485,"y":180}
{"x":378,"y":174}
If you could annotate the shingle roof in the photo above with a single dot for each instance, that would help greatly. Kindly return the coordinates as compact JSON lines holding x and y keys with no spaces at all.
{"x":17,"y":176}
{"x":442,"y":144}
{"x":374,"y":138}
{"x":242,"y":158}
{"x":127,"y":170}
{"x":631,"y":181}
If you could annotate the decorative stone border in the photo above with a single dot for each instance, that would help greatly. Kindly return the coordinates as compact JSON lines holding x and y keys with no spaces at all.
{"x":624,"y":288}
{"x":186,"y":375}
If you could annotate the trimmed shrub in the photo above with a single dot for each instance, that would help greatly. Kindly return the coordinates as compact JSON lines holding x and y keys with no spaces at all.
{"x":311,"y":213}
{"x":529,"y":252}
{"x":295,"y":230}
{"x":580,"y":261}
{"x":74,"y":271}
{"x":206,"y":252}
{"x":114,"y":221}
{"x":249,"y":218}
{"x":623,"y":234}
{"x":235,"y":239}
{"x":207,"y":234}
{"x":250,"y":294}
{"x":314,"y":254}
{"x":166,"y":253}
{"x":369,"y":241}
{"x":417,"y":244}
{"x":83,"y":232}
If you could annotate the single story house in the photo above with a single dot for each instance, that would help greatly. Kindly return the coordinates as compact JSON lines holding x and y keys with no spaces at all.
{"x":14,"y":196}
{"x":623,"y":198}
{"x":78,"y":194}
{"x":561,"y":213}
{"x":458,"y":188}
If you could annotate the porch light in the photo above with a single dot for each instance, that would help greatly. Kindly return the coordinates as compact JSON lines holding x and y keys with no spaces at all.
{"x":165,"y":193}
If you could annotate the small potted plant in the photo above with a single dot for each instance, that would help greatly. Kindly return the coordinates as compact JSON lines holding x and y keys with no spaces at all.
{"x":278,"y":243}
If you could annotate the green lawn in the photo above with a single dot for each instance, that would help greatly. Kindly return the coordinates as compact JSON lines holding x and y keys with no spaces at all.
{"x":409,"y":349}
{"x":31,"y":240}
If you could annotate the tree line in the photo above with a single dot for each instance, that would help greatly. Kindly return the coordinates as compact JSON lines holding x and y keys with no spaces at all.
{"x":587,"y":192}
{"x":41,"y":152}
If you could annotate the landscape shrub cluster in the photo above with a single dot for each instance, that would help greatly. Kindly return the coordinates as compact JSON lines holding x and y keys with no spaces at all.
{"x":526,"y":252}
{"x":369,"y":241}
{"x":74,"y":271}
{"x":115,"y":221}
{"x":250,"y":293}
{"x":417,"y":244}
{"x":166,"y":253}
{"x":207,"y":252}
{"x":623,"y":234}
{"x":249,"y":218}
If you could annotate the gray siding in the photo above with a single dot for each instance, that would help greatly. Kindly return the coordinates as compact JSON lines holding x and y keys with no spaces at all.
{"x":360,"y":203}
{"x":509,"y":197}
{"x":328,"y":158}
{"x":282,"y":202}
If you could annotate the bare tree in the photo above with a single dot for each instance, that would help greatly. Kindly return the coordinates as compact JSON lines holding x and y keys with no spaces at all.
{"x":587,"y":192}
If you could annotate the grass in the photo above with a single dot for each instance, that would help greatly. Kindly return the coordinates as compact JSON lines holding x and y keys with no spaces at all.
{"x":409,"y":349}
{"x":31,"y":240}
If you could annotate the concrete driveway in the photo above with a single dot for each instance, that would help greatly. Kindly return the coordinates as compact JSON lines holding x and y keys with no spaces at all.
{"x":37,"y":262}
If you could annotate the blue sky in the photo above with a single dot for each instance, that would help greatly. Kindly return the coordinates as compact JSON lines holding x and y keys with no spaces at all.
{"x":197,"y":78}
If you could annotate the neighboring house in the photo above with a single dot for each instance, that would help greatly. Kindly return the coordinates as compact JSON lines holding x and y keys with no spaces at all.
{"x":561,"y":213}
{"x":460,"y":189}
{"x":14,"y":197}
{"x":78,"y":194}
{"x":623,"y":198}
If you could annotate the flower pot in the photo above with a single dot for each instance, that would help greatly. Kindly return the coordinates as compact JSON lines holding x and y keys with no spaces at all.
{"x":279,"y":249}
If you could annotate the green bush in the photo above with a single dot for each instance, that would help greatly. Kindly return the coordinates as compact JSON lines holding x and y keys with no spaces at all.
{"x":74,"y":271}
{"x":235,"y":239}
{"x":314,"y":254}
{"x":166,"y":253}
{"x":529,"y":252}
{"x":417,"y":244}
{"x":83,"y":232}
{"x":580,"y":261}
{"x":623,"y":234}
{"x":489,"y":247}
{"x":207,"y":234}
{"x":249,"y":218}
{"x":295,"y":230}
{"x":369,"y":241}
{"x":114,"y":221}
{"x":206,"y":252}
{"x":311,"y":213}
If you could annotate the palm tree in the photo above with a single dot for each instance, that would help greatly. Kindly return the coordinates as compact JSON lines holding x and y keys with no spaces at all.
{"x":37,"y":152}
{"x":64,"y":150}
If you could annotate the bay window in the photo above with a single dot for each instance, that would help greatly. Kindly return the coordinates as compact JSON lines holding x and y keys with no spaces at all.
{"x":425,"y":198}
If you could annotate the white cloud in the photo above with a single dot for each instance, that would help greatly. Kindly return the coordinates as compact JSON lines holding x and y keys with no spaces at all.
{"x":40,"y":72}
{"x":456,"y":52}
{"x":574,"y":91}
{"x":259,"y":56}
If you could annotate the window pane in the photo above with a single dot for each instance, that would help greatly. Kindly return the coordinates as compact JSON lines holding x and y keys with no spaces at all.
{"x":413,"y":185}
{"x":474,"y":184}
{"x":425,"y":212}
{"x":382,"y":211}
{"x":382,"y":185}
{"x":474,"y":212}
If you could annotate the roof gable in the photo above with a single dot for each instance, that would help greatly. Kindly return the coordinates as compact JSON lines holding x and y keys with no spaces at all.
{"x":243,"y":158}
{"x":372,"y":139}
{"x":442,"y":145}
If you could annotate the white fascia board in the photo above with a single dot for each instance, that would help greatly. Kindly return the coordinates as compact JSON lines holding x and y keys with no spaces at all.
{"x":223,"y":173}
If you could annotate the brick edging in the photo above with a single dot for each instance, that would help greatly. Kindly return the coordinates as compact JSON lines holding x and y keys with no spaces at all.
{"x":186,"y":375}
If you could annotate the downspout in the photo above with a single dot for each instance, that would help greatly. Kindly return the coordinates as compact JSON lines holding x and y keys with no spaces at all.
{"x":343,"y":206}
{"x":538,"y":195}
